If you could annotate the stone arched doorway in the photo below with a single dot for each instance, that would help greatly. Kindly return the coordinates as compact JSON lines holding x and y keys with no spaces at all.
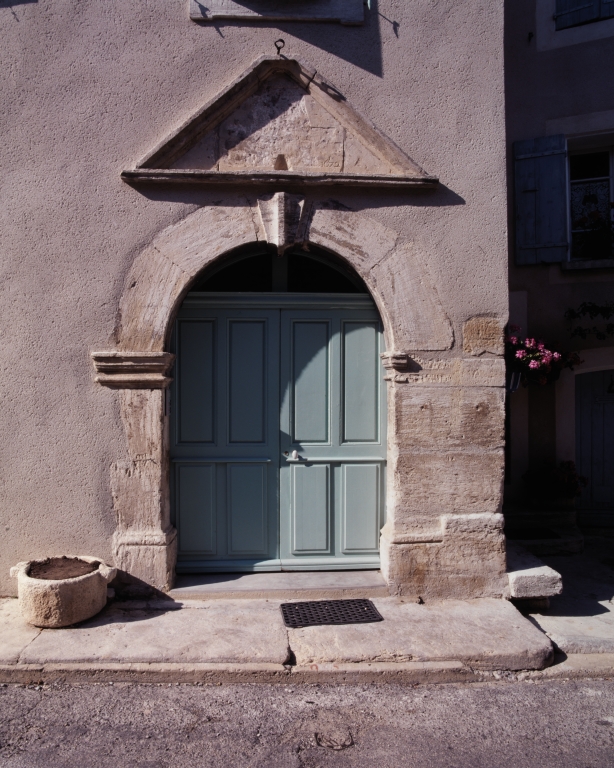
{"x":445,"y":545}
{"x":278,"y":416}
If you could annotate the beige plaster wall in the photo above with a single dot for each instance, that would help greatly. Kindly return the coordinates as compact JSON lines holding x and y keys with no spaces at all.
{"x":88,"y":88}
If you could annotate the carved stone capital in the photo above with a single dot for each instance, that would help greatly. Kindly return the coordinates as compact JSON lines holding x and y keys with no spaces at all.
{"x":396,"y":365}
{"x":281,"y":216}
{"x":133,"y":370}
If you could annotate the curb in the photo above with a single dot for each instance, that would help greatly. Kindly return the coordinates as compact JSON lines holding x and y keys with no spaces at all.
{"x":576,"y":666}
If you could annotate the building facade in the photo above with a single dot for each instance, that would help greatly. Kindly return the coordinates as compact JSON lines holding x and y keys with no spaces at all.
{"x":255,"y":286}
{"x":560,"y":126}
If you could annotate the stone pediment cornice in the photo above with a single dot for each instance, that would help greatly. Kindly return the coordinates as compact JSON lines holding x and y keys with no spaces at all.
{"x":280,"y":125}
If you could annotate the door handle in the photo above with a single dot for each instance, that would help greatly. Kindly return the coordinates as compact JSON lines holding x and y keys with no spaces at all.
{"x":293,"y":456}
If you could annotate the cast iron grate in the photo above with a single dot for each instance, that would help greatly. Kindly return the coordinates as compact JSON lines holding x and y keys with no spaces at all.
{"x":315,"y":612}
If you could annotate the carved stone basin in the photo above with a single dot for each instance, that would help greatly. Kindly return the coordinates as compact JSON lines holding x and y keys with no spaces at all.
{"x":59,"y":602}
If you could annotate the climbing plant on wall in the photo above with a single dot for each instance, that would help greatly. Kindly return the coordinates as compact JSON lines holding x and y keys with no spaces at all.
{"x":600,"y":317}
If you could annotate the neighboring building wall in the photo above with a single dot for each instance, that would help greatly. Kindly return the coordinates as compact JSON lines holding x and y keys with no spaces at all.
{"x":556,"y":83}
{"x":89,"y":90}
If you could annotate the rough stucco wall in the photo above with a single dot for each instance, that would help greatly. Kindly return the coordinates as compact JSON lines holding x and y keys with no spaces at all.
{"x":88,"y":88}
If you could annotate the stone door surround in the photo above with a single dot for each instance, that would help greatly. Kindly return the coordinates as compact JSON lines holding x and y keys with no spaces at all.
{"x":444,"y":534}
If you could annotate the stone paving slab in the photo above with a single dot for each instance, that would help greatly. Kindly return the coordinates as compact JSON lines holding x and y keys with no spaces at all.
{"x":579,"y":634}
{"x":226,"y":631}
{"x":15,"y":633}
{"x":581,"y":620}
{"x":484,"y":634}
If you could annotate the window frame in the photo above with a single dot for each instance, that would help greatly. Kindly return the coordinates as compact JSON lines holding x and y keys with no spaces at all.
{"x":606,"y":147}
{"x":602,"y":14}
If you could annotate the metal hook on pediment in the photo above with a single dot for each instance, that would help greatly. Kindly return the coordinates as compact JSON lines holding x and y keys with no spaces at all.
{"x":279,"y":44}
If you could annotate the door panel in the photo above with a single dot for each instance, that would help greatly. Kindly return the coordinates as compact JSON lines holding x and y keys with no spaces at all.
{"x":310,"y":376}
{"x":361,"y":369}
{"x":247,"y":509}
{"x":196,"y":508}
{"x":196,"y":361}
{"x":361,"y":500}
{"x":310,"y":509}
{"x":247,"y":358}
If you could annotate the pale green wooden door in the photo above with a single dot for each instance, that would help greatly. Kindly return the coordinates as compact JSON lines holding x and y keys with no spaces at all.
{"x":259,"y":379}
{"x":332,"y":437}
{"x":225,"y":437}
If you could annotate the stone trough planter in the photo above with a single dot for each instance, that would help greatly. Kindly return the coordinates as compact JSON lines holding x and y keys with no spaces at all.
{"x":47,"y":598}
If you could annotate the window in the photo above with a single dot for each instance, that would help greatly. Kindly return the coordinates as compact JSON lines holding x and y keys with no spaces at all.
{"x":564,"y":201}
{"x":573,"y":13}
{"x":591,"y":195}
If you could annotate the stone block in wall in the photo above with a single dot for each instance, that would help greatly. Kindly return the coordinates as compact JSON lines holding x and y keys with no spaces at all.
{"x":145,"y":566}
{"x":419,"y":321}
{"x":469,"y":562}
{"x":483,"y":334}
{"x":446,"y":483}
{"x":438,"y":417}
{"x":453,"y":372}
{"x":213,"y":230}
{"x":153,"y":287}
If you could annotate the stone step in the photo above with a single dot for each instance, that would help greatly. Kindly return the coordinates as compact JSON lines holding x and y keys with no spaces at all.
{"x":288,"y":585}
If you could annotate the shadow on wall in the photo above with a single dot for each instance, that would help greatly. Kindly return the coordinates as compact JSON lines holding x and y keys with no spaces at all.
{"x":361,"y":45}
{"x":10,"y":3}
{"x":355,"y":200}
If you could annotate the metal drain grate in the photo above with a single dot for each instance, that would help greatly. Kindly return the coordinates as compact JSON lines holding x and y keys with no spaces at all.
{"x":315,"y":612}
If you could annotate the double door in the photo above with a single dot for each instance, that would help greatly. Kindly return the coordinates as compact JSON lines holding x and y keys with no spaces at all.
{"x":278,"y":432}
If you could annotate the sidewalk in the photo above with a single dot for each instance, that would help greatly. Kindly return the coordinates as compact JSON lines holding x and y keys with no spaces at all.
{"x":230,"y":640}
{"x":581,"y":620}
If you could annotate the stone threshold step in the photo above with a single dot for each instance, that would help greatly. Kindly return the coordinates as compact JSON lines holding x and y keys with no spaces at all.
{"x":573,"y":666}
{"x":286,"y":585}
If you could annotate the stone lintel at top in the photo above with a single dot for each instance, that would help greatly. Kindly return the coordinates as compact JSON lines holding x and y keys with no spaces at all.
{"x":341,"y":11}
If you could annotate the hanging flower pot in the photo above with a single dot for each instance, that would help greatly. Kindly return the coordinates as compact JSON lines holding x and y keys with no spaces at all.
{"x":529,"y":361}
{"x":60,"y":591}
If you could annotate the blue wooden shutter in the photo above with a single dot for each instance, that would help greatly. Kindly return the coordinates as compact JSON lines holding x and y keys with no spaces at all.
{"x":540,"y":167}
{"x":607,"y":9}
{"x":571,"y":13}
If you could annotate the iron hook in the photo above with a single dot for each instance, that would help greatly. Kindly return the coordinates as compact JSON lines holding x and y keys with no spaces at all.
{"x":279,"y":44}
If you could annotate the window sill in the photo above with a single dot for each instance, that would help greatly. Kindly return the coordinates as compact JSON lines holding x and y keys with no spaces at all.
{"x":588,"y":264}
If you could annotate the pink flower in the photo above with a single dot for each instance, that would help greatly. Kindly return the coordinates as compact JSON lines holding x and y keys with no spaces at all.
{"x":541,"y":346}
{"x":529,"y":343}
{"x":556,"y":356}
{"x":513,"y":339}
{"x":534,"y":364}
{"x":521,"y":354}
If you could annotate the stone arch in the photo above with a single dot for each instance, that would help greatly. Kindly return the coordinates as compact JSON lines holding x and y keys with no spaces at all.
{"x":145,"y":541}
{"x":162,"y":273}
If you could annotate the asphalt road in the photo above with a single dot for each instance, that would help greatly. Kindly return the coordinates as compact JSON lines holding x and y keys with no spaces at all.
{"x":552,"y":724}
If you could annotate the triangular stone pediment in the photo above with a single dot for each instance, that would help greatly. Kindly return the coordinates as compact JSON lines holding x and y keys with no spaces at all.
{"x":280,"y":122}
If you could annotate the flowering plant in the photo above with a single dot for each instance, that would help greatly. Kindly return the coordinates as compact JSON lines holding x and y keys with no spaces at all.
{"x":533,"y":361}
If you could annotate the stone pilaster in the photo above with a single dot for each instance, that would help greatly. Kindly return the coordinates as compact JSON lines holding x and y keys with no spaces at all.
{"x":144,"y":544}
